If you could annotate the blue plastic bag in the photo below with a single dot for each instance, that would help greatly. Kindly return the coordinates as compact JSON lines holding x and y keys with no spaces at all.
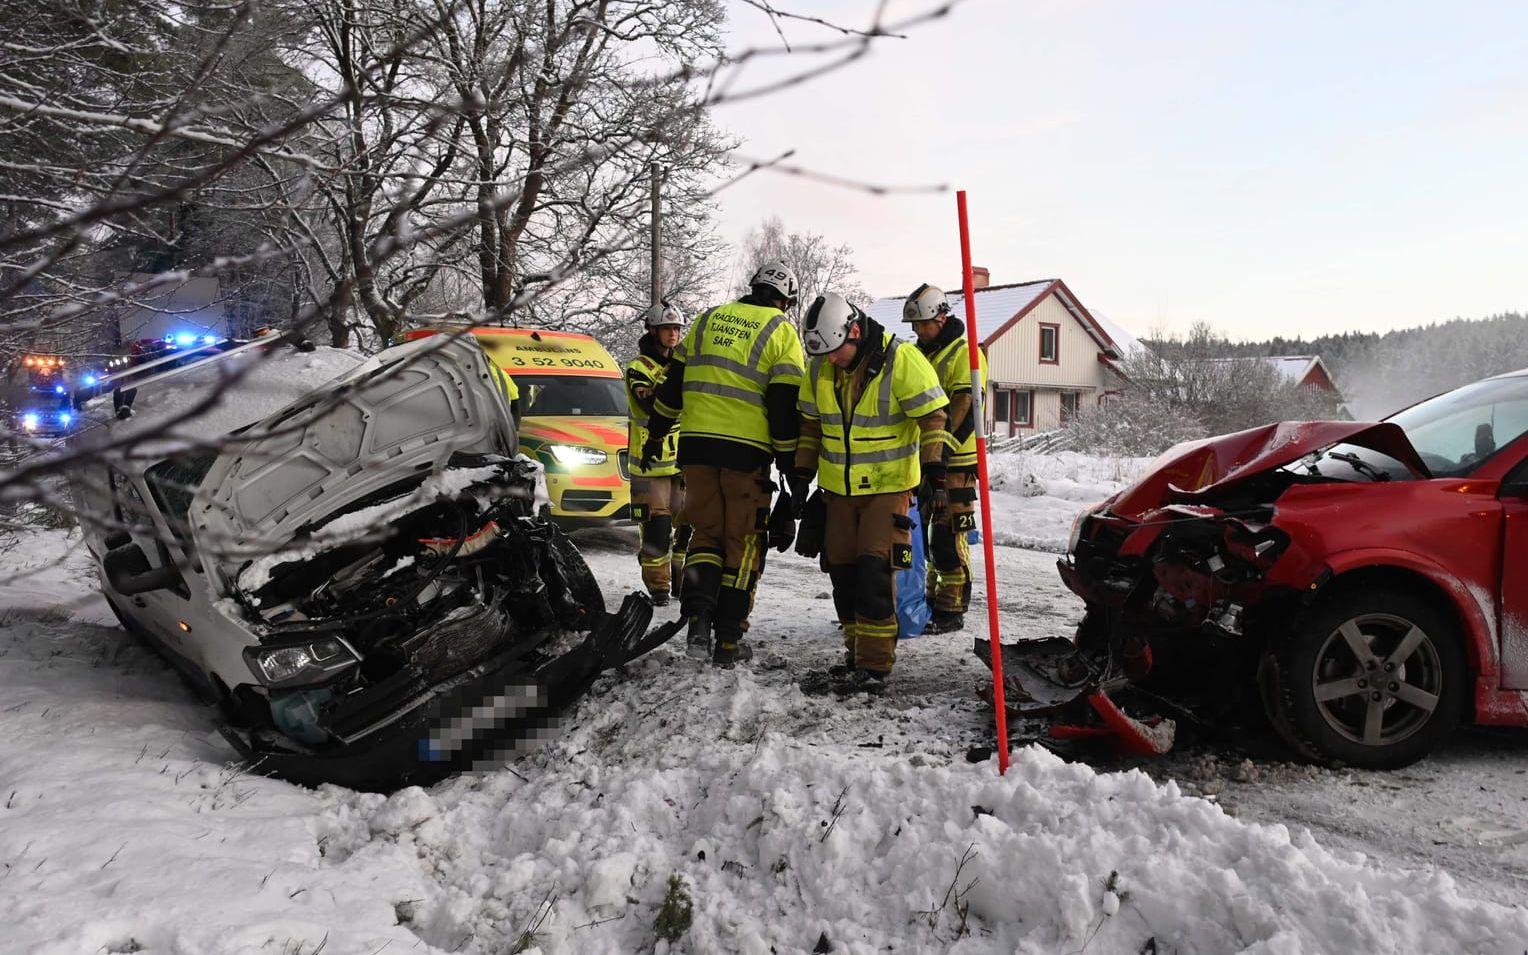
{"x":913,"y":611}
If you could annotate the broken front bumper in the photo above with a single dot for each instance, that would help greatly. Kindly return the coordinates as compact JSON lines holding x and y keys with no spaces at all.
{"x":399,"y":733}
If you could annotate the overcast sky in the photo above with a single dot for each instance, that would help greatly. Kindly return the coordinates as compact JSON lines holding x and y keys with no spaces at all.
{"x":1270,"y":167}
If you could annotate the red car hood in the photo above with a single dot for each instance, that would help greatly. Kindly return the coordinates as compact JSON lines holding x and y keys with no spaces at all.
{"x":1191,"y":471}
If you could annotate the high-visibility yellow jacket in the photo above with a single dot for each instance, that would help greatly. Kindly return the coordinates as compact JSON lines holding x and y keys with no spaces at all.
{"x":897,"y":418}
{"x":730,"y":357}
{"x":952,"y":363}
{"x":511,"y":390}
{"x":646,"y":372}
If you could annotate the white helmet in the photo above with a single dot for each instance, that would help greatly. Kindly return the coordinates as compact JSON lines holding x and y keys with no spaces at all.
{"x":828,"y":322}
{"x":778,"y":277}
{"x":660,"y":315}
{"x":925,"y":304}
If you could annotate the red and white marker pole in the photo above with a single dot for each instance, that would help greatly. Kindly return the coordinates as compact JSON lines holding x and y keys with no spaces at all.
{"x":978,"y":413}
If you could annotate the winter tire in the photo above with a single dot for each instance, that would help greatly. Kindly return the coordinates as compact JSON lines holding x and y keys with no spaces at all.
{"x":579,"y":580}
{"x":1370,"y":678}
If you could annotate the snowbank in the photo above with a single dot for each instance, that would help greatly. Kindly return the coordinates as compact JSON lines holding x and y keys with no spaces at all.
{"x":787,"y":819}
{"x":780,"y":845}
{"x":1037,"y":496}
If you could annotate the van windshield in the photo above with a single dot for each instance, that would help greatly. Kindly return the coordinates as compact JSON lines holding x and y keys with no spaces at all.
{"x":570,"y":395}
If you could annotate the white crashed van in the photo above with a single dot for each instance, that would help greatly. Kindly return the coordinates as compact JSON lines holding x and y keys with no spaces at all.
{"x":345,"y":555}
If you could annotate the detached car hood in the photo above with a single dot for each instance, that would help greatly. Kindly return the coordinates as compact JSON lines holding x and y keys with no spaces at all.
{"x":1195,"y":470}
{"x":398,"y":417}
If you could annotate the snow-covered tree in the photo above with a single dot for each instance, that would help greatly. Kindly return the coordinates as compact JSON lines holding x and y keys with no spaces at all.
{"x":820,"y":266}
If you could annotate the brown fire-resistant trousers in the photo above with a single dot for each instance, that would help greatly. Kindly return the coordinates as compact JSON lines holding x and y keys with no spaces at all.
{"x":948,"y":585}
{"x":868,"y":538}
{"x":657,"y":505}
{"x":728,"y":512}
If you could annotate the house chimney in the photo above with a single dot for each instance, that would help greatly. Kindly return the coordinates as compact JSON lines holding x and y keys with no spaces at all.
{"x":980,"y":277}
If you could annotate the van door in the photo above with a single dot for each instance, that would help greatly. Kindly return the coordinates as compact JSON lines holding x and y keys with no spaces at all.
{"x":156,"y":610}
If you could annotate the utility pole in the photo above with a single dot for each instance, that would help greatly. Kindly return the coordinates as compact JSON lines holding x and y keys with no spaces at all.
{"x":657,"y":271}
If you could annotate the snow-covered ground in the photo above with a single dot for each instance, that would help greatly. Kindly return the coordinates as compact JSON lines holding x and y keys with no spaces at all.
{"x":1037,"y":496}
{"x":792,"y":823}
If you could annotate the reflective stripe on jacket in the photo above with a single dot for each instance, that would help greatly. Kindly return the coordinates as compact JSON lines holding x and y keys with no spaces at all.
{"x":876,"y":448}
{"x":952,"y":363}
{"x":646,"y":372}
{"x":731,"y":355}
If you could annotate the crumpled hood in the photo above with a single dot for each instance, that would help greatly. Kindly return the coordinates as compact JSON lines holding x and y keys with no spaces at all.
{"x":402,"y":414}
{"x":1197,"y":469}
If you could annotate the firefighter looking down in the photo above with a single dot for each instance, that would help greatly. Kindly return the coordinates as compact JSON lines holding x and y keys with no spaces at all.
{"x":731,"y":386}
{"x":942,"y":339}
{"x":657,"y":493}
{"x":872,"y":431}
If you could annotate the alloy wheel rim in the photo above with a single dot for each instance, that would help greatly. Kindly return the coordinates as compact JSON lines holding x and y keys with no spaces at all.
{"x":1377,"y":679}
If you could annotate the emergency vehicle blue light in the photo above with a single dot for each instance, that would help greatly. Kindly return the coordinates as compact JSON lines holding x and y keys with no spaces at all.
{"x":65,"y":418}
{"x":169,"y":339}
{"x":209,"y":339}
{"x":90,"y":381}
{"x":58,"y":389}
{"x":185,"y":339}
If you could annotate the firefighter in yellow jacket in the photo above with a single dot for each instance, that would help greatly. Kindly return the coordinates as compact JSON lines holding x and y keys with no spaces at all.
{"x":942,"y":339}
{"x":732,"y":387}
{"x":657,"y":493}
{"x":872,"y":432}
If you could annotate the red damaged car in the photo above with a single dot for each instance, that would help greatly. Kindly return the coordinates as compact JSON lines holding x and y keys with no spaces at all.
{"x":1371,"y":579}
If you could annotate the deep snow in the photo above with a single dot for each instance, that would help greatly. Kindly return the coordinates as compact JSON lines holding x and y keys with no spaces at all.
{"x":788,"y":818}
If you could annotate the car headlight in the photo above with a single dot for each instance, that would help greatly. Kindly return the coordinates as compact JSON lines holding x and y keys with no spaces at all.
{"x":31,"y":420}
{"x":295,"y":664}
{"x":1078,"y":523}
{"x":569,"y":454}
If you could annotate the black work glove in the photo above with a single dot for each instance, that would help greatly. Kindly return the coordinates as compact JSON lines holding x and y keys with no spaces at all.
{"x":782,"y":522}
{"x":651,"y":452}
{"x":801,"y":488}
{"x":933,"y":499}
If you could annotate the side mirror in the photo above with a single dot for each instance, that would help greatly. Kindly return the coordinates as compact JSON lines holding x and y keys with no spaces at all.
{"x":128,"y":571}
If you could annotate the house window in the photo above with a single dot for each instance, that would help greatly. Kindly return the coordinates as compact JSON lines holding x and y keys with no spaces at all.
{"x":1069,"y":405}
{"x":1050,"y":344}
{"x":1000,"y":406}
{"x":1023,"y":408}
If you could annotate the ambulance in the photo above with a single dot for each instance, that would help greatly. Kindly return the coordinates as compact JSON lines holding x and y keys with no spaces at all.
{"x":573,"y":404}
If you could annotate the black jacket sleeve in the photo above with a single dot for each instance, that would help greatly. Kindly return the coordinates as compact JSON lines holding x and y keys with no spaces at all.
{"x":667,"y":401}
{"x":784,"y":420}
{"x":636,"y":379}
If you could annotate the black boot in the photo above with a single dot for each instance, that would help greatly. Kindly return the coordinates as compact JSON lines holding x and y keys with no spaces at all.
{"x":861,"y":680}
{"x":945,"y":621}
{"x":731,"y":648}
{"x":660,"y":598}
{"x":698,"y":644}
{"x":840,"y":670}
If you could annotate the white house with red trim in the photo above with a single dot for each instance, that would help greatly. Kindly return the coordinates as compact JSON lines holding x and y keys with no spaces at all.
{"x":1304,"y":371}
{"x":1047,"y":355}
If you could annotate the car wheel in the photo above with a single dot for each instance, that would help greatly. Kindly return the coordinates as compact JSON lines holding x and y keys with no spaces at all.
{"x":582,"y":588}
{"x":1372,"y":678}
{"x":128,"y":624}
